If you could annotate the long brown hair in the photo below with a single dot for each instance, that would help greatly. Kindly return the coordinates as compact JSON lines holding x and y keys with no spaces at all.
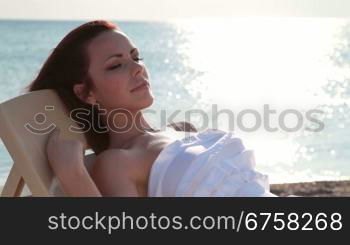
{"x":67,"y":66}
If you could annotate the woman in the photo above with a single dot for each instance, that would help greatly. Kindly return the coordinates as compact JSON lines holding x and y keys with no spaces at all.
{"x":96,"y":67}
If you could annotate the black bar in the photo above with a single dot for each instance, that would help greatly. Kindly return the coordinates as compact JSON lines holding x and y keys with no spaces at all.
{"x":30,"y":218}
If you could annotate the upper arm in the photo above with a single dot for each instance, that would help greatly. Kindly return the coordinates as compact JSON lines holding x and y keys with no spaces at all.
{"x":112,"y":173}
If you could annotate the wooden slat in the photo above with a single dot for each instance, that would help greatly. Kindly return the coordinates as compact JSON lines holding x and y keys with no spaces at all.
{"x":14,"y":184}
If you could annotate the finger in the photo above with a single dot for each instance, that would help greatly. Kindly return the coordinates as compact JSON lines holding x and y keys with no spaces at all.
{"x":55,"y":134}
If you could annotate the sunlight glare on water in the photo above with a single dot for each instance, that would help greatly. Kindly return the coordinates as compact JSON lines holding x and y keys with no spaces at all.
{"x":257,"y":60}
{"x":248,"y":62}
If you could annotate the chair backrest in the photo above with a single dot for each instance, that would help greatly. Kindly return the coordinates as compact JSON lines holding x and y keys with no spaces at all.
{"x":25,"y":124}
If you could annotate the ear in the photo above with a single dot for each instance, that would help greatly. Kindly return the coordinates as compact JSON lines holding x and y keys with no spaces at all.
{"x":79,"y":90}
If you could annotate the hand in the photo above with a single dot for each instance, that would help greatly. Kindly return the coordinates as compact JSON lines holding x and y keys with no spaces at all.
{"x":64,"y":155}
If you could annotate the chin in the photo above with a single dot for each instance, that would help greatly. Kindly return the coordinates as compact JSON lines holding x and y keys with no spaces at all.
{"x":147,"y":102}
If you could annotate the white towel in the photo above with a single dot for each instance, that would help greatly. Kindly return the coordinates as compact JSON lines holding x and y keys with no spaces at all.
{"x":224,"y":169}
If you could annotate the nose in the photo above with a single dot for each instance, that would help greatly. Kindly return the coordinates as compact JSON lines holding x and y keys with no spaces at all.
{"x":138,"y":68}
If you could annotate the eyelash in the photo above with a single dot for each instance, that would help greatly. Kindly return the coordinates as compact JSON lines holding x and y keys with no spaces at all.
{"x":117,"y":66}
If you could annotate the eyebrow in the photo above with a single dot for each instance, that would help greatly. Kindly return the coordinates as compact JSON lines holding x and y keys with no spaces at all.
{"x":120,"y":55}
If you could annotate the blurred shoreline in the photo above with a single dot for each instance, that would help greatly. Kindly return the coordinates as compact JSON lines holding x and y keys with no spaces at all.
{"x":313,"y":189}
{"x":310,"y":189}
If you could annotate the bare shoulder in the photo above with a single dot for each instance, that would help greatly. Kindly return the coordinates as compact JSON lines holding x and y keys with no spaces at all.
{"x":112,"y":153}
{"x":115,"y":173}
{"x":125,"y":163}
{"x":113,"y":159}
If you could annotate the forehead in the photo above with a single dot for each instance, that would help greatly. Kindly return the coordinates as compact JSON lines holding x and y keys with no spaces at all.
{"x":109,"y":42}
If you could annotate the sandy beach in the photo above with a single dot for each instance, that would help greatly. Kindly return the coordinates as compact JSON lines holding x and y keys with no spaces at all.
{"x":313,"y":189}
{"x":310,"y":189}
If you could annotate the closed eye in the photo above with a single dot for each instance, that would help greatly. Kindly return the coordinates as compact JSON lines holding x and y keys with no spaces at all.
{"x":137,"y":59}
{"x":114,"y":67}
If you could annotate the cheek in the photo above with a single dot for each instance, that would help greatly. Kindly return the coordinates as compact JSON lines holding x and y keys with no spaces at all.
{"x":112,"y":93}
{"x":115,"y":96}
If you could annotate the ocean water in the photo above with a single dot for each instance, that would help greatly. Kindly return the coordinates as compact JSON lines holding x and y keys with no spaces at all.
{"x":239,"y":66}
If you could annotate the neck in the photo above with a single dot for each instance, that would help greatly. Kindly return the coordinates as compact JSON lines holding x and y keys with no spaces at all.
{"x":124,"y":128}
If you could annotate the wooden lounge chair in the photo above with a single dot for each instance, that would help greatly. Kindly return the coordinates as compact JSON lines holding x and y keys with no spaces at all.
{"x":25,"y":124}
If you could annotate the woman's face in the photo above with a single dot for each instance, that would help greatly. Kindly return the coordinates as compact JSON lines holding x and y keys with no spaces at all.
{"x":116,"y":71}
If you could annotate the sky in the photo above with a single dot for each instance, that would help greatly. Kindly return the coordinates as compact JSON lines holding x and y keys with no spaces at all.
{"x":167,"y":9}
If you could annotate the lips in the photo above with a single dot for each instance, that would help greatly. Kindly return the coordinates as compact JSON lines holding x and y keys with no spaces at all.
{"x":140,"y":86}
